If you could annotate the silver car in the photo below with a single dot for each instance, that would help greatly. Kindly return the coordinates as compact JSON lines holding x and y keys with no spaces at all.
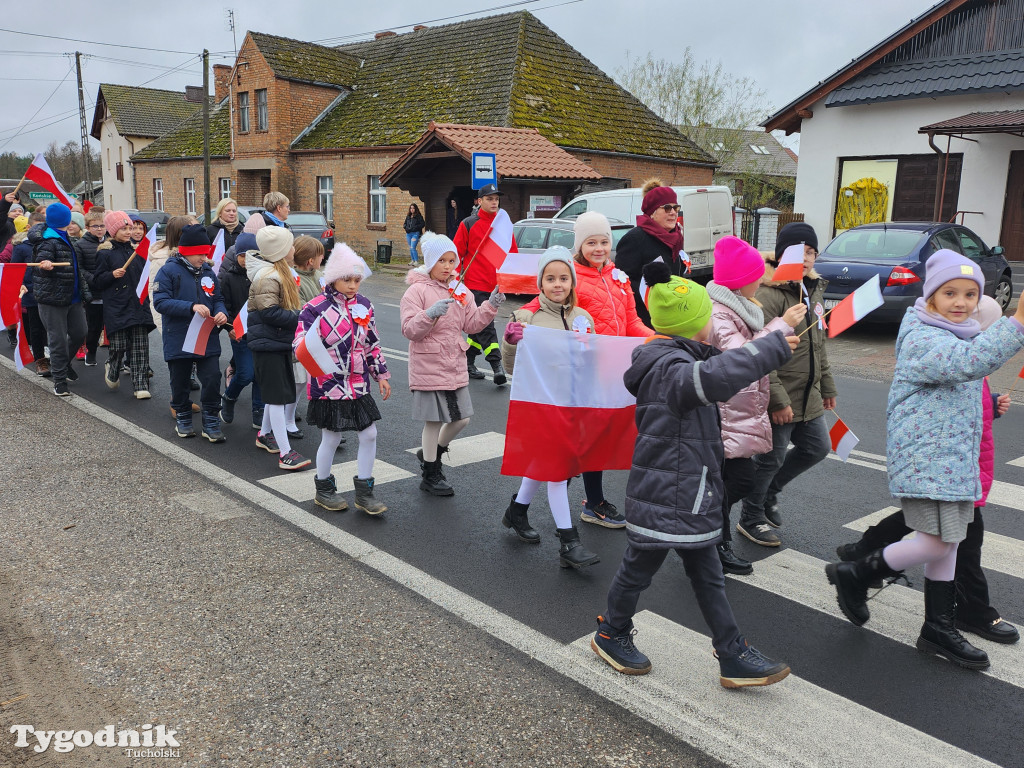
{"x":536,"y":235}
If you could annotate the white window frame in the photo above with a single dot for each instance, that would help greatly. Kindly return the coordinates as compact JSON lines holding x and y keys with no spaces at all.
{"x":262,"y":111}
{"x":243,"y":112}
{"x":190,"y":196}
{"x":158,"y":194}
{"x":325,"y":196}
{"x":378,"y":201}
{"x":225,"y":187}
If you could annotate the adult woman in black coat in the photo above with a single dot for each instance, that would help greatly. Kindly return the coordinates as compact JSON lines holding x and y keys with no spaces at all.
{"x":414,"y":225}
{"x":225,"y":217}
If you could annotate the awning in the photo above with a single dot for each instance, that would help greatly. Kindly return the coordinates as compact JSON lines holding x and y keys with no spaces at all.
{"x":1009,"y":121}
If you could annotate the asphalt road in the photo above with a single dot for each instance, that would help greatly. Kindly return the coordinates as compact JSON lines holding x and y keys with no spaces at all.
{"x":787,"y":609}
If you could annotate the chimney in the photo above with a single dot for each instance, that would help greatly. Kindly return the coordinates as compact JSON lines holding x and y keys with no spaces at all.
{"x":418,"y":27}
{"x":389,"y":33}
{"x":221,"y":81}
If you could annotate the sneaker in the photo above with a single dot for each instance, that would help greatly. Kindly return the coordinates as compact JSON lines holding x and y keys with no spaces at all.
{"x":733,"y":563}
{"x":72,"y":375}
{"x":227,"y":409}
{"x":112,"y":381}
{"x":296,"y":434}
{"x":750,"y":668}
{"x":772,"y":515}
{"x":293,"y":460}
{"x":604,"y":514}
{"x":60,"y":389}
{"x":267,"y":443}
{"x":126,"y":370}
{"x":142,"y":394}
{"x":257,"y":419}
{"x":617,"y":649}
{"x":80,"y":354}
{"x":90,"y":359}
{"x":12,"y":337}
{"x":759,"y":533}
{"x":43,"y":368}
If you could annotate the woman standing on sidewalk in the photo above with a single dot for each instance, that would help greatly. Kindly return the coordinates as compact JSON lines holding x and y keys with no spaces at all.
{"x":414,"y":224}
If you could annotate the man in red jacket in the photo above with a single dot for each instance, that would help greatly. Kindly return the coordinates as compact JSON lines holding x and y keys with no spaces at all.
{"x":481,"y":277}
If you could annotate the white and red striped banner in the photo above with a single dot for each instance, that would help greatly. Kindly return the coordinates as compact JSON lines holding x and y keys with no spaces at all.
{"x":314,"y":356}
{"x":518,"y":273}
{"x":39,"y":172}
{"x":142,"y":251}
{"x":571,"y":383}
{"x":218,"y":251}
{"x":23,"y":352}
{"x":198,"y":335}
{"x":11,"y":278}
{"x":856,"y":306}
{"x":843,"y":440}
{"x":241,"y":322}
{"x":498,"y":243}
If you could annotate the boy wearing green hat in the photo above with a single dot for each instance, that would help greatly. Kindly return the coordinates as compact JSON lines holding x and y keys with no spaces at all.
{"x":675,"y":494}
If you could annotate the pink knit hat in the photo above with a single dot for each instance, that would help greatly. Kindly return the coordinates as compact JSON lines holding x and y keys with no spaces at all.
{"x":254,"y":224}
{"x":736,"y":263}
{"x":114,"y":220}
{"x":344,"y":262}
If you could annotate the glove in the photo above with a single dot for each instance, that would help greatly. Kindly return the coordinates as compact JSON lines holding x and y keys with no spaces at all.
{"x":439,"y":308}
{"x":496,"y":299}
{"x":514,"y":332}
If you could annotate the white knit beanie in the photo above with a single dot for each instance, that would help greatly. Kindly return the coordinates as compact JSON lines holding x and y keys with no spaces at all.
{"x":555,"y":253}
{"x":587,"y":225}
{"x":274,"y":243}
{"x":434,"y":246}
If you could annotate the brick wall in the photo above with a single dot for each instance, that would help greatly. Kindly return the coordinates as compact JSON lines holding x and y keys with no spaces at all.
{"x":638,"y":170}
{"x":173,"y":175}
{"x":221,"y":80}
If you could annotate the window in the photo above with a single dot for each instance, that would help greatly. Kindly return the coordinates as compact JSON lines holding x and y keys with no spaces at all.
{"x":718,"y":146}
{"x":575,"y":209}
{"x":563,"y":237}
{"x":531,"y":237}
{"x":261,"y":110}
{"x":946,"y":239}
{"x":108,"y":158}
{"x":243,"y":112}
{"x":971,"y":246}
{"x":158,"y":194}
{"x":325,"y":196}
{"x":119,"y":171}
{"x":225,"y":188}
{"x":190,"y":196}
{"x":378,"y":201}
{"x":759,"y":149}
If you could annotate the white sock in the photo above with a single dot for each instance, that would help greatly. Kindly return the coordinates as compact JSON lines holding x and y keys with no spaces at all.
{"x":289,"y":417}
{"x":527,"y":490}
{"x":367,"y":452}
{"x":279,"y":427}
{"x":329,"y":442}
{"x":558,"y":500}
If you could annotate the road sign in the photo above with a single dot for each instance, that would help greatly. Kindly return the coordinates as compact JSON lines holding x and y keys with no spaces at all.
{"x":41,"y":196}
{"x":483,"y":169}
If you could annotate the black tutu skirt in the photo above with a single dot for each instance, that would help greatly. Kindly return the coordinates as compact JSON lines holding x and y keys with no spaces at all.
{"x":343,"y":415}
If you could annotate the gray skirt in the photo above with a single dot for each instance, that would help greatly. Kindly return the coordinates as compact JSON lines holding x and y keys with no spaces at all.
{"x":441,"y":405}
{"x":946,"y":519}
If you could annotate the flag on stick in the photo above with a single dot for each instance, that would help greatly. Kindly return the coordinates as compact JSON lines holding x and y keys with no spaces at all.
{"x":496,"y":246}
{"x":87,"y":206}
{"x":218,"y":251}
{"x":142,"y":251}
{"x":23,"y":353}
{"x":518,"y":273}
{"x":843,"y":440}
{"x":855,"y":307}
{"x":198,"y":335}
{"x":791,"y":265}
{"x":241,"y":322}
{"x":572,"y":384}
{"x":39,"y":172}
{"x":314,"y":356}
{"x":11,"y":278}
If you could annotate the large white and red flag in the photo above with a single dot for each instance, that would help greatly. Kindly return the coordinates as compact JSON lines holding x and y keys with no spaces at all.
{"x":198,"y":335}
{"x":11,"y":278}
{"x":23,"y":352}
{"x":218,"y":251}
{"x":856,"y":306}
{"x":791,"y":265}
{"x":518,"y":273}
{"x":843,"y":440}
{"x":498,"y":243}
{"x":313,"y":355}
{"x":39,"y":172}
{"x":241,"y":322}
{"x":142,"y":251}
{"x":571,"y":384}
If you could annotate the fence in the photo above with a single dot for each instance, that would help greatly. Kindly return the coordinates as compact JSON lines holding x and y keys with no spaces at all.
{"x":760,"y":228}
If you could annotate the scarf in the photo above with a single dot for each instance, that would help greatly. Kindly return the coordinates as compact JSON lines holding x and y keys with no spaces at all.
{"x":965,"y":330}
{"x":673,"y":239}
{"x":749,"y":312}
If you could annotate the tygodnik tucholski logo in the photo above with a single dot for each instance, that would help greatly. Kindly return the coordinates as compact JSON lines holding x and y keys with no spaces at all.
{"x":149,"y":741}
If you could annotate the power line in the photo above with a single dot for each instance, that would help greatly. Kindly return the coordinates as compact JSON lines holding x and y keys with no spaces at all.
{"x":91,"y":42}
{"x":52,"y":93}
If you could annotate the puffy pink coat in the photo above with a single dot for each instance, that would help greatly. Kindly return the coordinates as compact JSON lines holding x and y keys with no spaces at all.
{"x":746,"y":428}
{"x":987,"y":457}
{"x":437,"y":348}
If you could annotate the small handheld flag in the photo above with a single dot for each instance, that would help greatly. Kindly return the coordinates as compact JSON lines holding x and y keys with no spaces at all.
{"x":198,"y":335}
{"x":498,"y":243}
{"x":856,"y":306}
{"x":11,"y":278}
{"x":39,"y":172}
{"x":23,"y":354}
{"x":314,"y":356}
{"x":218,"y":251}
{"x":241,"y":322}
{"x":843,"y":440}
{"x":142,"y":251}
{"x":791,"y":265}
{"x":518,"y":273}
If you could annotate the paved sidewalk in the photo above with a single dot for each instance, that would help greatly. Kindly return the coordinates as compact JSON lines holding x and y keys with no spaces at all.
{"x":134,"y":591}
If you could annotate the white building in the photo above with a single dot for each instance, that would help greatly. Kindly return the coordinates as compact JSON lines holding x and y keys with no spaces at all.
{"x":125,"y":120}
{"x":934,"y":114}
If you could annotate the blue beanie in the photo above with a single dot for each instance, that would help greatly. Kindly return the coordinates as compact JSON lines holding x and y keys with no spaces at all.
{"x":246,"y":242}
{"x":58,"y":216}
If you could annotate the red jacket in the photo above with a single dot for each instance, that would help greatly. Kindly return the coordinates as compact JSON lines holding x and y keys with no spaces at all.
{"x":481,"y":275}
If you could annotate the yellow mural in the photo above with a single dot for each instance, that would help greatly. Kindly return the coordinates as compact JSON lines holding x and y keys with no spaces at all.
{"x":865,"y":201}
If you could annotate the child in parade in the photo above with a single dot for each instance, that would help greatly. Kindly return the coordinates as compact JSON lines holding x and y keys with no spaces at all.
{"x":308,"y":261}
{"x":556,"y":279}
{"x":436,"y":313}
{"x":127,"y":321}
{"x":933,"y":434}
{"x":22,"y":253}
{"x":674,"y":496}
{"x":974,"y":612}
{"x":344,"y":320}
{"x":234,"y":283}
{"x":185,"y":287}
{"x":95,"y":233}
{"x":746,"y":429}
{"x":273,"y":316}
{"x":801,"y":391}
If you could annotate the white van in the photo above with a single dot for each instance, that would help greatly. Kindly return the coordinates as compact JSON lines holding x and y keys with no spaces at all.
{"x":706,"y":212}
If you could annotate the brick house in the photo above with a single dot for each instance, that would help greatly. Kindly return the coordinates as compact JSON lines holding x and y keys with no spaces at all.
{"x":324,"y":125}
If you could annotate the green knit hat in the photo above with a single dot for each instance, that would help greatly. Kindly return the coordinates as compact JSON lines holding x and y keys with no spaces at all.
{"x":679,"y":307}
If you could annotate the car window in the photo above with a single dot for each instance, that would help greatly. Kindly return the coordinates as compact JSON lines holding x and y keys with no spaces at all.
{"x":531,"y":237}
{"x":563,"y":237}
{"x":874,"y":244}
{"x":580,"y":206}
{"x":971,"y":247}
{"x":617,"y":233}
{"x":946,"y":239}
{"x":307,"y":219}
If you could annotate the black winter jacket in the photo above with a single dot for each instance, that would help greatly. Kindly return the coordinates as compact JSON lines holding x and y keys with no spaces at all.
{"x":414,"y":223}
{"x":121,"y":307}
{"x":23,"y":254}
{"x":636,"y":250}
{"x":674,"y":495}
{"x":60,"y":286}
{"x":234,"y":284}
{"x":7,"y":228}
{"x":230,"y":235}
{"x":86,"y":247}
{"x":177,"y":287}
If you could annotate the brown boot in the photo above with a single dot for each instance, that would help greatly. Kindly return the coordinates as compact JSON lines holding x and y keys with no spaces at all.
{"x":43,"y":367}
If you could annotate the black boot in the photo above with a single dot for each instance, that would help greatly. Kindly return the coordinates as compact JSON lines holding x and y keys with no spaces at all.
{"x":183,"y":423}
{"x":852,"y":580}
{"x":474,"y":372}
{"x":733,"y":563}
{"x":571,"y":553}
{"x":516,"y":519}
{"x":499,"y":373}
{"x":364,"y":497}
{"x":939,"y":635}
{"x":327,"y":495}
{"x":434,"y":481}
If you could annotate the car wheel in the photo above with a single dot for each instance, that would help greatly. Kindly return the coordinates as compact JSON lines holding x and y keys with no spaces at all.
{"x":1003,"y":292}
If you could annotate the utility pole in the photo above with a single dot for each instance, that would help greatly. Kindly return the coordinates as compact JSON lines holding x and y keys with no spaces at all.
{"x":206,"y":134}
{"x":85,"y":135}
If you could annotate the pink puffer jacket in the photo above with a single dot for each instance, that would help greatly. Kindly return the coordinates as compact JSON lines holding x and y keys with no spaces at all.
{"x":746,"y":428}
{"x":987,"y":457}
{"x":437,"y":348}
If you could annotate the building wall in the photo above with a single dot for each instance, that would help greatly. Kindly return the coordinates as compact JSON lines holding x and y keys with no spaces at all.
{"x":890,"y":128}
{"x":638,"y":170}
{"x":114,"y":148}
{"x":173,"y":174}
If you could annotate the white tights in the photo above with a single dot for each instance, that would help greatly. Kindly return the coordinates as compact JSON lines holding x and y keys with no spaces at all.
{"x":329,"y":442}
{"x":437,"y":433}
{"x":558,"y":499}
{"x":275,"y":420}
{"x":938,"y":556}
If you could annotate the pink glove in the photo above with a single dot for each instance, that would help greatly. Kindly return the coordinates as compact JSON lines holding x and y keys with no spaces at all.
{"x":514,"y":333}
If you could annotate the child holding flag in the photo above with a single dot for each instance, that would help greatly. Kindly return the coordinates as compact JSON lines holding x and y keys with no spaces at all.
{"x":127,"y":320}
{"x":556,"y":280}
{"x":234,"y":283}
{"x":341,"y":402}
{"x":675,"y":494}
{"x":934,"y":431}
{"x":436,"y":312}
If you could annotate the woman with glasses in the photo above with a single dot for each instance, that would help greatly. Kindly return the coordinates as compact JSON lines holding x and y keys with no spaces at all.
{"x":658,"y":233}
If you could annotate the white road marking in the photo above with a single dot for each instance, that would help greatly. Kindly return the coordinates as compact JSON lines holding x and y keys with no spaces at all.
{"x":1017,"y":462}
{"x":299,"y":485}
{"x":470,"y":450}
{"x":398,"y":354}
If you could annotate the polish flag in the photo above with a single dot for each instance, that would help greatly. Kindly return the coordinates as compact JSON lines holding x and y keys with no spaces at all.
{"x":791,"y":265}
{"x":11,"y":278}
{"x":518,"y":274}
{"x":843,"y":440}
{"x":856,"y":306}
{"x":23,"y":352}
{"x":40,"y":173}
{"x":498,"y":243}
{"x":198,"y":335}
{"x":241,"y":322}
{"x":87,"y":206}
{"x":314,"y":356}
{"x":572,"y":384}
{"x":142,"y":251}
{"x":218,"y":251}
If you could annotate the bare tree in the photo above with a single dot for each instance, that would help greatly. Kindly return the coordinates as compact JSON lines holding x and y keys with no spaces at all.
{"x":67,"y":164}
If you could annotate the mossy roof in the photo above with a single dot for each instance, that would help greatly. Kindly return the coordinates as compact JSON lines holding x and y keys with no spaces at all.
{"x":186,"y":140}
{"x":142,"y":111}
{"x":306,"y":62}
{"x":508,"y":70}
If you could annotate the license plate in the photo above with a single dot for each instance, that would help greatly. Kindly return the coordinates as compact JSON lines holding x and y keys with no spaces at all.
{"x":829,"y":303}
{"x":700,"y":260}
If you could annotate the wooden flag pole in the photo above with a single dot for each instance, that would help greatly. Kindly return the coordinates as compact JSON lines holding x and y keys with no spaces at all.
{"x":55,"y":264}
{"x":811,"y":325}
{"x":134,"y":251}
{"x":472,"y":258}
{"x":20,"y":182}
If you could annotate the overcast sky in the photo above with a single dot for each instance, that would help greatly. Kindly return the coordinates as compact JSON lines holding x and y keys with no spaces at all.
{"x":785,"y":46}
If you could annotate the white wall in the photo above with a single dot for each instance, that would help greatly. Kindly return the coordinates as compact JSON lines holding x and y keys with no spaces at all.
{"x":891,"y":128}
{"x":114,"y":148}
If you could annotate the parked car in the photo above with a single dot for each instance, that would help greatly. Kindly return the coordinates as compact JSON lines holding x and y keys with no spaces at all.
{"x":535,"y":235}
{"x":314,"y":224}
{"x":152,"y":217}
{"x":897,"y":253}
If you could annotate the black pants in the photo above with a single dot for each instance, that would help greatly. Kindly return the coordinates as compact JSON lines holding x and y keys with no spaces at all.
{"x":738,"y":476}
{"x":208,"y":373}
{"x":35,"y":331}
{"x":971,"y":585}
{"x":486,"y":341}
{"x":93,"y":326}
{"x":704,"y":570}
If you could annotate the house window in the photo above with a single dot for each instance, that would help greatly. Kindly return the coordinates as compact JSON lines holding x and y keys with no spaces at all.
{"x":378,"y":201}
{"x":119,"y":171}
{"x":243,"y":112}
{"x":759,"y":149}
{"x":190,"y":196}
{"x":262,"y":122}
{"x":225,"y":188}
{"x":108,"y":158}
{"x":325,"y":195}
{"x":158,"y":194}
{"x":718,"y":146}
